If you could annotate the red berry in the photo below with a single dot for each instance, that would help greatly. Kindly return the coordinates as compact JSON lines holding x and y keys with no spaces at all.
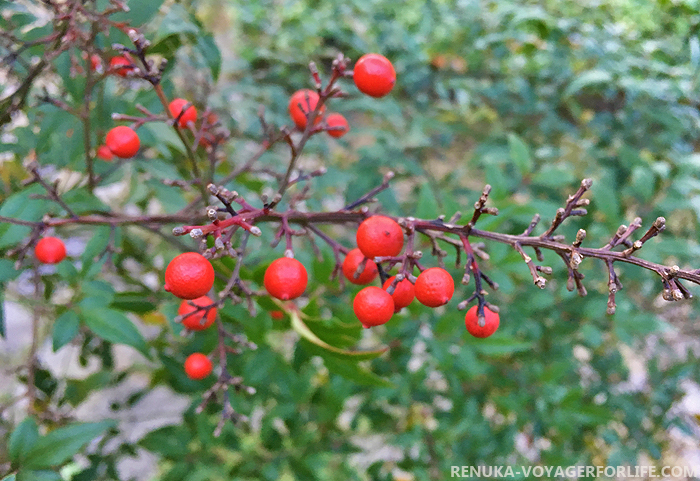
{"x":277,"y":315}
{"x":286,"y":278}
{"x":95,"y":62}
{"x":379,"y":236}
{"x":189,"y":276}
{"x":123,"y":141}
{"x":403,"y":293}
{"x":104,"y":153}
{"x":121,"y":65}
{"x":50,"y":250}
{"x":350,"y":264}
{"x":374,"y":75}
{"x":190,"y":114}
{"x":197,"y":366}
{"x":301,"y":104}
{"x":373,"y":306}
{"x":338,"y":124}
{"x":194,"y":321}
{"x":492,"y":320}
{"x":434,"y":287}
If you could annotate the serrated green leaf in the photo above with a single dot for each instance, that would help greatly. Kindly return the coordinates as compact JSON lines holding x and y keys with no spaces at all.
{"x":23,"y":439}
{"x":113,"y":326}
{"x":520,"y":154}
{"x":65,"y":328}
{"x":63,"y":443}
{"x":299,"y":326}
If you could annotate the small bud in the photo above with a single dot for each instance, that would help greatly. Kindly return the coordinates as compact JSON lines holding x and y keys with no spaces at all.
{"x":462,"y":305}
{"x":540,"y":282}
{"x":179,"y":231}
{"x":213,"y":189}
{"x":465,"y":278}
{"x":196,"y":233}
{"x":481,"y":321}
{"x":400,"y":277}
{"x":255,"y":230}
{"x":218,"y":244}
{"x":586,"y":183}
{"x":289,"y":253}
{"x":212,"y":214}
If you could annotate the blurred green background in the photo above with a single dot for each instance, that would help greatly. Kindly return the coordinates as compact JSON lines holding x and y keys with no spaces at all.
{"x":530,"y":97}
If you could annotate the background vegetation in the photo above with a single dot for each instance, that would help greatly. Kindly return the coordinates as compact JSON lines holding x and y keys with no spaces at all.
{"x":527,"y":96}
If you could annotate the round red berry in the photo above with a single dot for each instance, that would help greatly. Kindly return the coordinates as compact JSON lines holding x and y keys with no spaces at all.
{"x":277,"y":315}
{"x":374,"y":75}
{"x":197,"y":366}
{"x":337,"y":125}
{"x":403,"y":293}
{"x":379,"y":236}
{"x":491,"y":322}
{"x":373,"y":306}
{"x":50,"y":250}
{"x":286,"y":278}
{"x":104,"y":153}
{"x":352,"y":261}
{"x":190,"y":115}
{"x":121,"y":65}
{"x":189,"y":276}
{"x":95,"y":62}
{"x":301,"y":104}
{"x":434,"y":287}
{"x":197,"y":321}
{"x":123,"y":141}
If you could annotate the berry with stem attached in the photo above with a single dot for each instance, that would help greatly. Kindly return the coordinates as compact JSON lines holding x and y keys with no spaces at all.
{"x":337,"y":125}
{"x":197,"y":366}
{"x":120,"y":65}
{"x":491,"y":322}
{"x":301,"y":104}
{"x":403,"y":294}
{"x":189,"y":276}
{"x":189,"y":115}
{"x":197,"y":321}
{"x":374,"y":75}
{"x":352,"y":261}
{"x":285,"y":278}
{"x":434,"y":287}
{"x":373,"y":306}
{"x":50,"y":250}
{"x":379,"y":236}
{"x":123,"y":141}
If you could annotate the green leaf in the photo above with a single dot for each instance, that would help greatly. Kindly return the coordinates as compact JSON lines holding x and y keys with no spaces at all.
{"x":299,"y":326}
{"x":355,"y":373}
{"x":520,"y":153}
{"x":61,"y":444}
{"x":7,"y":270}
{"x":2,"y":310}
{"x":42,"y":475}
{"x":139,"y":12}
{"x":96,"y":245}
{"x":23,"y":439}
{"x":427,"y":203}
{"x":9,"y":477}
{"x":591,"y":77}
{"x":113,"y":326}
{"x":65,"y":329}
{"x":133,"y":302}
{"x":498,"y":346}
{"x":166,"y":441}
{"x":211,"y":53}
